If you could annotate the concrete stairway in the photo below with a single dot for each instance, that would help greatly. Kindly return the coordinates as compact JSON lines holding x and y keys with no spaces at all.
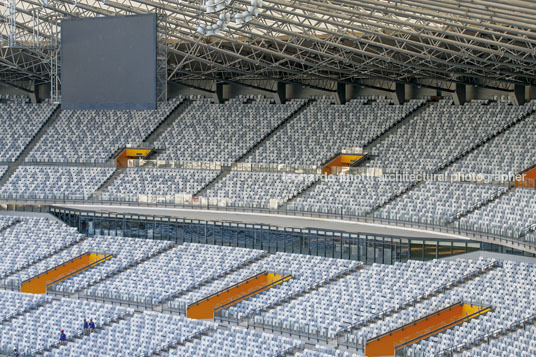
{"x":12,"y":167}
{"x":393,"y":128}
{"x":109,"y":181}
{"x":226,"y":170}
{"x":166,"y":123}
{"x":274,"y":131}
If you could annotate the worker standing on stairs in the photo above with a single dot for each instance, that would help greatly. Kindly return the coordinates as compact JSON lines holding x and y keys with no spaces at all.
{"x":63,"y":338}
{"x":86,"y":327}
{"x":91,"y":326}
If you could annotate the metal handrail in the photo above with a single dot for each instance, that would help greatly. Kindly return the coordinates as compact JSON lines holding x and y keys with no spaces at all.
{"x":226,"y":289}
{"x":263,"y":207}
{"x":420,"y":297}
{"x":430,"y":333}
{"x":218,"y":308}
{"x":453,"y":348}
{"x":54,"y":268}
{"x":79,"y":270}
{"x":414,"y":321}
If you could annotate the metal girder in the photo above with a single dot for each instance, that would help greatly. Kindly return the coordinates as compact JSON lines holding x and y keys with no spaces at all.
{"x":323,"y":41}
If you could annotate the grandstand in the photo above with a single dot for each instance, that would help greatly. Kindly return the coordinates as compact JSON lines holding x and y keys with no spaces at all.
{"x":268,"y":178}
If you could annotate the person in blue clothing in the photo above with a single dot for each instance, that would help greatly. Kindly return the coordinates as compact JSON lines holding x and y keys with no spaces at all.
{"x":63,"y":338}
{"x":86,"y":327}
{"x":91,"y":326}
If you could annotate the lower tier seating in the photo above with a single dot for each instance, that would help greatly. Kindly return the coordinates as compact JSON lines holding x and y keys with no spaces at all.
{"x":237,"y":341}
{"x":125,"y":252}
{"x":32,"y":240}
{"x":307,"y":272}
{"x":176,"y":271}
{"x":13,"y":303}
{"x":358,"y":297}
{"x":509,"y":290}
{"x":323,"y":351}
{"x":141,"y":335}
{"x":39,"y":330}
{"x":519,"y":343}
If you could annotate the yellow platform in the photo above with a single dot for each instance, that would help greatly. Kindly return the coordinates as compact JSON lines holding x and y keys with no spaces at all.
{"x":206,"y":307}
{"x":341,"y":163}
{"x":40,"y":283}
{"x":388,"y":343}
{"x":528,"y":180}
{"x":131,"y":153}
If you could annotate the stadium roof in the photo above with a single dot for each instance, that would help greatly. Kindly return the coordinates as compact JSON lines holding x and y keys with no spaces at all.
{"x":310,"y":42}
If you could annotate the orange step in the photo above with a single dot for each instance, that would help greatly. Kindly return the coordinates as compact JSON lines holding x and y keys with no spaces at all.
{"x":528,"y":179}
{"x":206,"y":307}
{"x":39,"y":284}
{"x":341,"y":163}
{"x":131,"y":153}
{"x":388,"y":343}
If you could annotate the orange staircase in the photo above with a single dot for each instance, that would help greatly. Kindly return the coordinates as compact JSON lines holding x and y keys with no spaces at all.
{"x":131,"y":153}
{"x":392,"y":341}
{"x":528,"y":179}
{"x":40,"y":283}
{"x":208,"y":306}
{"x":341,"y":163}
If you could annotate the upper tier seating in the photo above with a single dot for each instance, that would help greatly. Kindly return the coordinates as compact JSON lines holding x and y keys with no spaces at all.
{"x":221,"y":132}
{"x":243,"y":188}
{"x":507,"y":154}
{"x":510,"y":291}
{"x":307,"y":272}
{"x":511,"y":214}
{"x":237,"y":341}
{"x":348,"y":194}
{"x":155,"y":181}
{"x":442,"y":133}
{"x":439,"y":202}
{"x":55,"y":182}
{"x":94,"y":135}
{"x":360,"y":296}
{"x":15,"y":98}
{"x":142,"y":335}
{"x":40,"y":329}
{"x":14,"y":303}
{"x":32,"y":240}
{"x":19,"y":123}
{"x":126,"y":252}
{"x":323,"y":130}
{"x":174,"y":272}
